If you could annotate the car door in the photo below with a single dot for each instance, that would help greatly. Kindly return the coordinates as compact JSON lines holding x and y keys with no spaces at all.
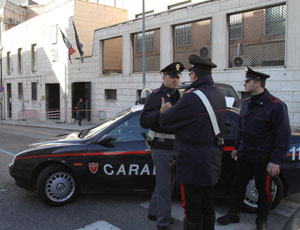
{"x":124,"y":165}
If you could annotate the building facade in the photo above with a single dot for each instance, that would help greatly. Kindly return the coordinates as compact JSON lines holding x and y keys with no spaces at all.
{"x":232,"y":33}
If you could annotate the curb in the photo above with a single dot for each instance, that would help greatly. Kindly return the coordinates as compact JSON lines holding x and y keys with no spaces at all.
{"x":293,"y":222}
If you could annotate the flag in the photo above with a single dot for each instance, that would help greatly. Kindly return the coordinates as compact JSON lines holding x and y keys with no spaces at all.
{"x":79,"y":44}
{"x":68,"y":44}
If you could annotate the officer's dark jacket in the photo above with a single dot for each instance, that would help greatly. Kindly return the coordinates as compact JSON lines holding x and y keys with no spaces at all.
{"x":198,"y":156}
{"x":150,"y":114}
{"x":264,"y":129}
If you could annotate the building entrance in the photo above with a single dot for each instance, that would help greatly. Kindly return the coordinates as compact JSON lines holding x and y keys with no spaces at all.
{"x":53,"y":101}
{"x":82,"y":90}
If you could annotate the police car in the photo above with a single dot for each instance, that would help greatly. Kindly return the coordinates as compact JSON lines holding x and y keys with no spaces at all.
{"x":113,"y":157}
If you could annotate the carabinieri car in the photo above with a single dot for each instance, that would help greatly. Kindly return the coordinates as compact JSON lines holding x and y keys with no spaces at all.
{"x":113,"y":157}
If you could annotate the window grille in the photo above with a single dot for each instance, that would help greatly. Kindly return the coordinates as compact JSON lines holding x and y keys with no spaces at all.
{"x":183,"y":34}
{"x":235,"y":26}
{"x":257,"y":37}
{"x":8,"y":63}
{"x":33,"y":58}
{"x":20,"y":61}
{"x":112,"y":55}
{"x":111,"y":94}
{"x":152,"y":51}
{"x":33,"y":91}
{"x":149,"y":41}
{"x":275,"y":20}
{"x":20,"y":91}
{"x":192,"y":38}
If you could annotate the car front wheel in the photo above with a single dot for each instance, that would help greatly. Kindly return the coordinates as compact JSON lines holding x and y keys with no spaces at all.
{"x":56,"y":185}
{"x":251,"y":197}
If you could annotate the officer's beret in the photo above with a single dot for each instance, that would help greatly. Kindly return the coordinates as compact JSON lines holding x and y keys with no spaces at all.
{"x":200,"y":63}
{"x":173,"y":69}
{"x":254,"y":75}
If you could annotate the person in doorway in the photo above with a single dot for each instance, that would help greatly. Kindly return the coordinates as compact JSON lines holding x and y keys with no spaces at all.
{"x":79,"y":110}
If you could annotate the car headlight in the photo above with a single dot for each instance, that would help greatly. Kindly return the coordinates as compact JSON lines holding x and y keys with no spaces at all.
{"x":13,"y":161}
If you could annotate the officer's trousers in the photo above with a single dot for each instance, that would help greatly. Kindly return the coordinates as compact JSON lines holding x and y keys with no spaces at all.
{"x":160,"y":203}
{"x":198,"y":204}
{"x":244,"y":172}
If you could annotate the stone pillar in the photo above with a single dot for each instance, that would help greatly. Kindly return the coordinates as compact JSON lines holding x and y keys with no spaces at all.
{"x":127,"y":54}
{"x":220,"y":41}
{"x":293,"y":34}
{"x":166,"y":45}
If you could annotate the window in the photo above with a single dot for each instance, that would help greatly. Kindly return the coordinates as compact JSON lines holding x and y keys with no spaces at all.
{"x":129,"y":130}
{"x":33,"y":91}
{"x":179,"y":5}
{"x":20,"y":61}
{"x":111,"y":94}
{"x":8,"y":63}
{"x":275,"y":20}
{"x":20,"y":91}
{"x":53,"y":34}
{"x":235,"y":26}
{"x":146,"y":14}
{"x":183,"y":35}
{"x":33,"y":58}
{"x":149,"y":41}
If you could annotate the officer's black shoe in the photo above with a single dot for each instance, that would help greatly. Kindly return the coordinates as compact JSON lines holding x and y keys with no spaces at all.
{"x":159,"y":227}
{"x":261,"y":225}
{"x":193,"y":226}
{"x":231,"y":217}
{"x":151,"y":217}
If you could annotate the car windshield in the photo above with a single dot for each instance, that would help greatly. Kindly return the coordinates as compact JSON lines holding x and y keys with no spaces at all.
{"x":228,"y":91}
{"x":94,"y":131}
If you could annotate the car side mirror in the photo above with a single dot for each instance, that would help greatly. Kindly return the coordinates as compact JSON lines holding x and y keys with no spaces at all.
{"x":106,"y":141}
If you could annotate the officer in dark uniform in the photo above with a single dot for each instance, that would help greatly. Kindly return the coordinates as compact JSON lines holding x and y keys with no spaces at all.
{"x":198,"y":162}
{"x":262,"y":142}
{"x":162,"y":143}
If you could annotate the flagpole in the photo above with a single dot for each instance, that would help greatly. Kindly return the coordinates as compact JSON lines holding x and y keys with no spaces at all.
{"x":143,"y":48}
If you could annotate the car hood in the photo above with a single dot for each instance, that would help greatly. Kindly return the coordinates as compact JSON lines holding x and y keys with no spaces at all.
{"x":60,"y":140}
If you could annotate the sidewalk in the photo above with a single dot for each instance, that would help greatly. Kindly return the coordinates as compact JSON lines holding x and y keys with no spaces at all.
{"x":49,"y":124}
{"x":294,"y":223}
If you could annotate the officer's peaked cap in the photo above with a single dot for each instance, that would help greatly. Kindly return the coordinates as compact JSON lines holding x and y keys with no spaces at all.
{"x":254,"y":75}
{"x":173,"y":69}
{"x":200,"y":63}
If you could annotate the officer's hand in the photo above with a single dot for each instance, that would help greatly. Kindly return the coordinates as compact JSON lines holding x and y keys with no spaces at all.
{"x":234,"y":154}
{"x":273,"y":169}
{"x":164,"y":106}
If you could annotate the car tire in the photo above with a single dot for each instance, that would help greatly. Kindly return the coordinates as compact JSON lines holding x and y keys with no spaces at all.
{"x":56,"y":185}
{"x":251,"y":197}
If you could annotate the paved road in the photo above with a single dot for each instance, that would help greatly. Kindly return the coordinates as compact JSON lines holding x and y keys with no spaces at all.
{"x":22,"y":209}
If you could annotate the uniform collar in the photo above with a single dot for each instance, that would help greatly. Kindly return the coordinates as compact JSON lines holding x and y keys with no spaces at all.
{"x":260,"y":98}
{"x":167,"y":90}
{"x":201,"y":81}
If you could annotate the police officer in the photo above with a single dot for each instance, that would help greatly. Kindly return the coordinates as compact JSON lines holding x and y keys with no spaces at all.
{"x":162,"y":143}
{"x":262,"y":142}
{"x":198,"y":162}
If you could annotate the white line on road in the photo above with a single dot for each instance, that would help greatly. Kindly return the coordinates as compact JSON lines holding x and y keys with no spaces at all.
{"x":100,"y":225}
{"x":6,"y":152}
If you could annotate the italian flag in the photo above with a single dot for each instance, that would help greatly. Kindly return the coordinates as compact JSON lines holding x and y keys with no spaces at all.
{"x":68,"y":44}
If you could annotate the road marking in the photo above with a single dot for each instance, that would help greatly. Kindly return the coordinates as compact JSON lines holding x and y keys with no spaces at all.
{"x":6,"y":152}
{"x":100,"y":225}
{"x":3,"y":189}
{"x":28,"y":130}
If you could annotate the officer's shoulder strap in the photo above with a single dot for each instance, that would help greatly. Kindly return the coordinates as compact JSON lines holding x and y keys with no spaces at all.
{"x":274,"y":99}
{"x":190,"y":90}
{"x":156,"y":90}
